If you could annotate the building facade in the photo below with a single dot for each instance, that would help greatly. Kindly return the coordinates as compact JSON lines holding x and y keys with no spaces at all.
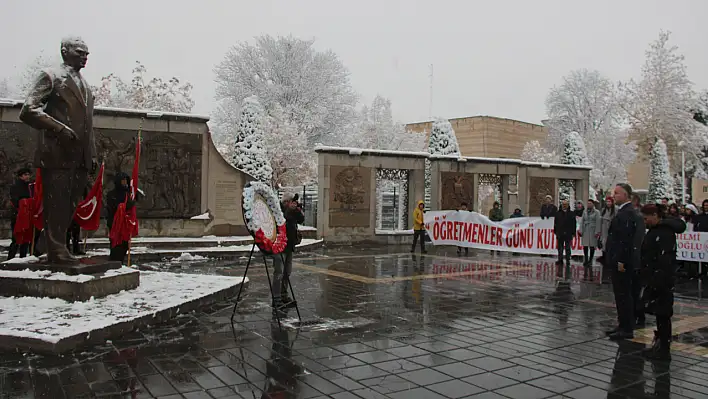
{"x":489,"y":136}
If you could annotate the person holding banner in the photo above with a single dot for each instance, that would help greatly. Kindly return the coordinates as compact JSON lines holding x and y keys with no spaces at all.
{"x":419,"y":227}
{"x":565,"y":226}
{"x":548,"y":210}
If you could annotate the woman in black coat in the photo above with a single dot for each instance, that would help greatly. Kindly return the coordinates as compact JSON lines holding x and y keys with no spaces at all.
{"x":658,"y":258}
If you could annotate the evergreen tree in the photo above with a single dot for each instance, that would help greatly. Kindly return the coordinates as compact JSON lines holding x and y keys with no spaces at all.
{"x":661,"y":184}
{"x":573,"y":154}
{"x":442,"y":141}
{"x":249,"y":151}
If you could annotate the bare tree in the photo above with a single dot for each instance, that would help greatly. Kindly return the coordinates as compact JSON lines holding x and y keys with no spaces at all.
{"x":312,"y":87}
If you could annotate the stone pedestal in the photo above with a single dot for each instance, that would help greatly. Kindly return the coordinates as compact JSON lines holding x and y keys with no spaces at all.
{"x":87,"y":266}
{"x":93,"y":277}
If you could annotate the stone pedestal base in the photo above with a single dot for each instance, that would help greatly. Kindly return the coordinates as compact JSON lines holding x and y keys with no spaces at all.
{"x":70,"y":288}
{"x":87,"y":266}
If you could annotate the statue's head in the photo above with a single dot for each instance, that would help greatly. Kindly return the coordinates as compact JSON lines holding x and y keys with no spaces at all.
{"x":74,"y":52}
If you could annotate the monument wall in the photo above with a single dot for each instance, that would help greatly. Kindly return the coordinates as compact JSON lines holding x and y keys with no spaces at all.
{"x":175,"y":175}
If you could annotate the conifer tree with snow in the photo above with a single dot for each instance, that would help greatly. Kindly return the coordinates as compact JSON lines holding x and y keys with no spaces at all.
{"x":442,"y":141}
{"x":573,"y":154}
{"x":249,"y":153}
{"x":661,"y":184}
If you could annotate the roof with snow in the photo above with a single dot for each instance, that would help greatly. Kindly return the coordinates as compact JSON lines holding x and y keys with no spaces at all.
{"x":110,"y":111}
{"x":458,"y":158}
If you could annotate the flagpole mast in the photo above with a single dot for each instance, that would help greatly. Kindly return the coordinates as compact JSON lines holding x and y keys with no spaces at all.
{"x":130,"y":238}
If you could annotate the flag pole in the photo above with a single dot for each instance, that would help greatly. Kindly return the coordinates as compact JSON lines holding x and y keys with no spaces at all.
{"x":129,"y":242}
{"x":85,"y":239}
{"x":32,"y":246}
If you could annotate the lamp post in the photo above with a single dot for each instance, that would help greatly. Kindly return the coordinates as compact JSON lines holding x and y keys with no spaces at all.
{"x":683,"y":177}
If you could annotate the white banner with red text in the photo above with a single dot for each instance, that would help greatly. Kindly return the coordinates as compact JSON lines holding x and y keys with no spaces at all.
{"x":531,"y":235}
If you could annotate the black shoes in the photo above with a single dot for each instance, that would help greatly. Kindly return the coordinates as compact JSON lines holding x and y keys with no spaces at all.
{"x":610,"y":332}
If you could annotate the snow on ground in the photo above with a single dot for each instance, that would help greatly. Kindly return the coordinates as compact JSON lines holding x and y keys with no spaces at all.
{"x":51,"y":320}
{"x":187,"y":257}
{"x":48,"y":275}
{"x":306,"y":228}
{"x":25,"y":260}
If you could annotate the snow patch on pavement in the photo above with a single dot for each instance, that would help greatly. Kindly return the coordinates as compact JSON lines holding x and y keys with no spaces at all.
{"x":51,"y":319}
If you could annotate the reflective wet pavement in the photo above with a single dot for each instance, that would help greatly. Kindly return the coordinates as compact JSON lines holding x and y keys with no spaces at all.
{"x":381,"y":323}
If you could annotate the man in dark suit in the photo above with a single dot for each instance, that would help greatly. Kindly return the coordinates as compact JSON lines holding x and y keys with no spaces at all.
{"x":565,"y":226}
{"x":60,"y":106}
{"x":621,"y":260}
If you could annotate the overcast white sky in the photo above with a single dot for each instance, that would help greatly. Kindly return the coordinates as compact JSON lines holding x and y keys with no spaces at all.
{"x":490,"y":57}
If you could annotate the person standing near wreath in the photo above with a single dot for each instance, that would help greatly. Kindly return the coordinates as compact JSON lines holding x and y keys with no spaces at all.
{"x":283,"y":262}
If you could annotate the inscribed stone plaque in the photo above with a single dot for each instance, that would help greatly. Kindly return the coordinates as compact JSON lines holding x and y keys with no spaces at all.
{"x":539,"y":188}
{"x":227,"y":200}
{"x":349,"y":196}
{"x":456,"y":189}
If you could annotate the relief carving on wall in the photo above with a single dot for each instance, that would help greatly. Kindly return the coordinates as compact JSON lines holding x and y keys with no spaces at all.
{"x":456,"y":189}
{"x":539,"y":188}
{"x":350,"y":196}
{"x":170,"y":166}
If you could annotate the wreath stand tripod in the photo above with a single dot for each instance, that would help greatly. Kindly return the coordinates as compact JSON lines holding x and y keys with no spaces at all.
{"x":286,"y":277}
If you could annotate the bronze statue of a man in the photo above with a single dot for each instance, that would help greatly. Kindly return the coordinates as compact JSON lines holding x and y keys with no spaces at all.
{"x":60,"y":106}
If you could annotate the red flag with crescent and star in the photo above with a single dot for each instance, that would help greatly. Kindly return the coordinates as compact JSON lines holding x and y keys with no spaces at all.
{"x":88,"y":212}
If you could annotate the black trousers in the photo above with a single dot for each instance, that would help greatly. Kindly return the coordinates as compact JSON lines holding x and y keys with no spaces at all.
{"x":119,"y":251}
{"x":637,"y":297}
{"x":564,"y":244}
{"x":624,"y":298}
{"x":14,"y":247}
{"x":589,"y":254}
{"x":73,"y":237}
{"x":63,"y":190}
{"x":419,"y":234}
{"x":660,"y":302}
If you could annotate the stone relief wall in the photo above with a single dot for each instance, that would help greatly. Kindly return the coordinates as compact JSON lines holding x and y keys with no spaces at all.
{"x":170,"y":166}
{"x":349,"y":199}
{"x":456,"y":189}
{"x":539,"y":188}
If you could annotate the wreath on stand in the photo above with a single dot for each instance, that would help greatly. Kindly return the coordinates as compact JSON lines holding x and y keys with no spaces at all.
{"x":263,"y":217}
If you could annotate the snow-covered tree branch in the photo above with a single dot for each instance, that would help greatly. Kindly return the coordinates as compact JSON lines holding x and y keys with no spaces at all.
{"x":249,"y":153}
{"x":661,"y":185}
{"x":312,"y":87}
{"x":155,"y":94}
{"x":533,"y":151}
{"x":661,"y":104}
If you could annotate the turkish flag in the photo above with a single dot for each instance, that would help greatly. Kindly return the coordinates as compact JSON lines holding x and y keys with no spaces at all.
{"x":88,"y":212}
{"x":37,"y":217}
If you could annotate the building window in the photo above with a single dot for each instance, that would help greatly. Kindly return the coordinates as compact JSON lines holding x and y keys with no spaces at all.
{"x":705,"y":189}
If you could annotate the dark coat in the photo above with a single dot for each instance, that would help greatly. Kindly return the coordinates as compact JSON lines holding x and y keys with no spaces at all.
{"x":117,"y":196}
{"x":548,"y":211}
{"x":55,"y":102}
{"x":293,"y":217}
{"x":700,"y":222}
{"x":658,"y":254}
{"x":565,"y":225}
{"x":621,"y":246}
{"x":19,"y":191}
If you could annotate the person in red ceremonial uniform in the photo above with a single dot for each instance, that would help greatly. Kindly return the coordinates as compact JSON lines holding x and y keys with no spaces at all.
{"x":120,"y":194}
{"x":19,"y":191}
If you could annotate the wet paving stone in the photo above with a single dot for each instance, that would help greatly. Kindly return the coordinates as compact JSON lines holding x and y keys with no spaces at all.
{"x":502,"y":327}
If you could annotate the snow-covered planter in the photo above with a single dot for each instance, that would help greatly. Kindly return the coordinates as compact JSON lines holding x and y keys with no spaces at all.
{"x":263,"y":217}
